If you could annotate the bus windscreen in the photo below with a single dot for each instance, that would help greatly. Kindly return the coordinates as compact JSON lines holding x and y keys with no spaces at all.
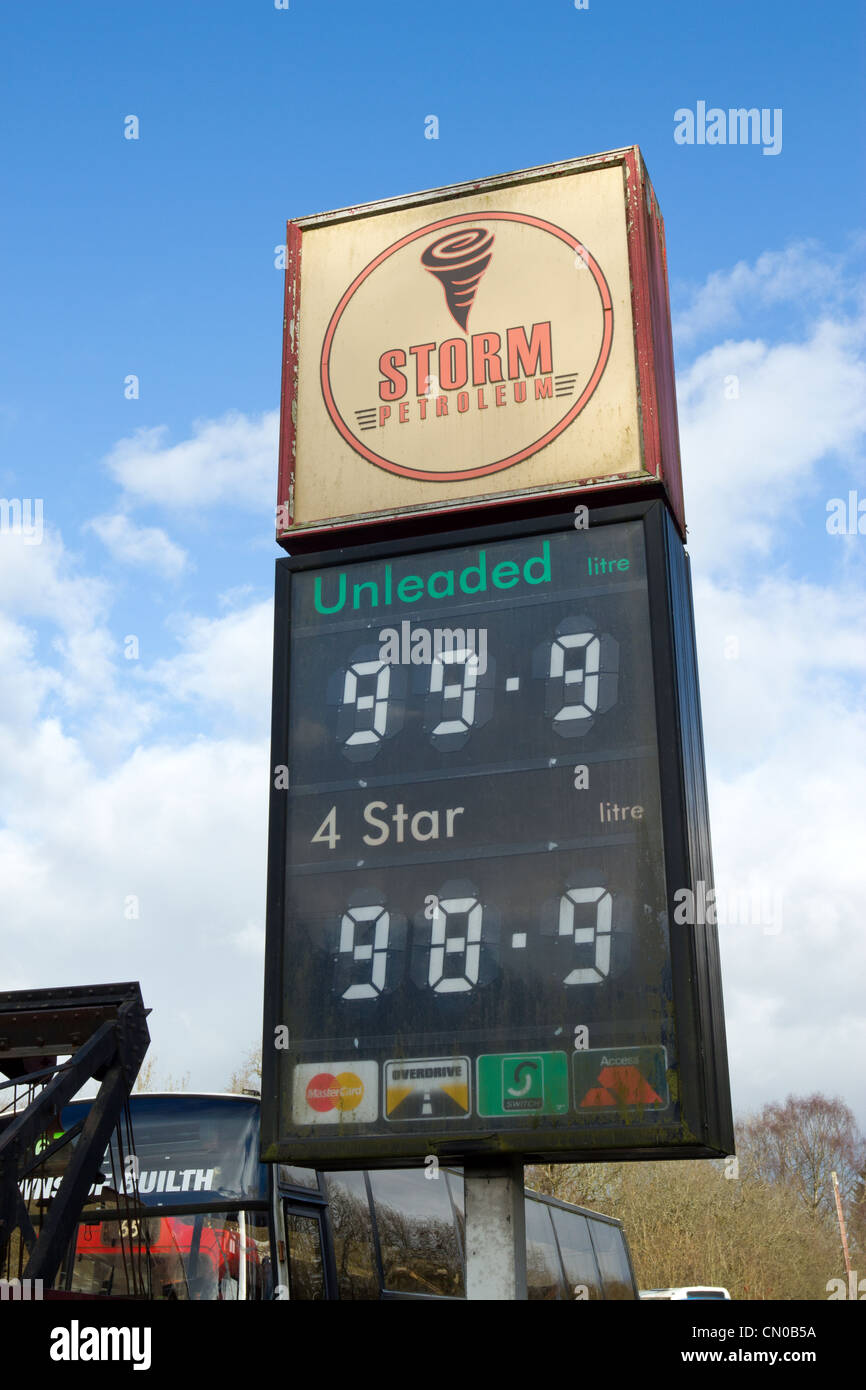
{"x":197,"y":1154}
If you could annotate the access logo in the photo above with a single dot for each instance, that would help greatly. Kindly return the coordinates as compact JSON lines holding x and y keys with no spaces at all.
{"x":621,"y":1078}
{"x":466,"y":346}
{"x":336,"y":1092}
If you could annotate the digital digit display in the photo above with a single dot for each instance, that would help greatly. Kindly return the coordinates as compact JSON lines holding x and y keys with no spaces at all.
{"x":470,"y":897}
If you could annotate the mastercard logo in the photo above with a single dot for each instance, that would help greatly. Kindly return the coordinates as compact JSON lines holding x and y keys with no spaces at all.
{"x":325,"y":1091}
{"x":339,"y":1091}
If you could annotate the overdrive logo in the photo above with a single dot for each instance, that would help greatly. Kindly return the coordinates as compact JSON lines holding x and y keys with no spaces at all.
{"x":466,"y":346}
{"x":336,"y":1093}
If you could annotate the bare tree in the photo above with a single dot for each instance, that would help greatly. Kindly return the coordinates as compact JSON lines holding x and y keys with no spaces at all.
{"x":149,"y":1080}
{"x":594,"y":1185}
{"x":800,"y":1143}
{"x":764,"y":1227}
{"x":248,"y":1077}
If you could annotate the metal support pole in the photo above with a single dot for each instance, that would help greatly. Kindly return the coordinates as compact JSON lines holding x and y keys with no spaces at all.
{"x":495,"y":1231}
{"x":844,"y":1235}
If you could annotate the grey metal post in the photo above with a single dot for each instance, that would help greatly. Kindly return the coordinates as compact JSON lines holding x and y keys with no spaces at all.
{"x":495,"y":1230}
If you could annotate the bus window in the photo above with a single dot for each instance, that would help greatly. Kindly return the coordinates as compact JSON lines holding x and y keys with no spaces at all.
{"x":417,"y":1236}
{"x":581,"y":1270}
{"x":543,"y":1277}
{"x":298,"y":1177}
{"x":352,"y":1227}
{"x":203,"y":1257}
{"x":306,"y":1267}
{"x":612,"y":1260}
{"x":455,"y":1187}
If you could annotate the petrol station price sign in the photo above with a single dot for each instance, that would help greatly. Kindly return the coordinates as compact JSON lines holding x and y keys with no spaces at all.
{"x":488,"y":787}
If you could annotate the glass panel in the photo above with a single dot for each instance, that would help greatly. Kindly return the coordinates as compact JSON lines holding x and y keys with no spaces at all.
{"x":455,"y":1186}
{"x":210,"y":1256}
{"x":189,"y":1149}
{"x":612,"y":1260}
{"x":578,"y":1257}
{"x":543,"y":1277}
{"x":416,"y":1233}
{"x":352,"y":1226}
{"x":306,"y":1268}
{"x":298,"y":1177}
{"x":367,"y":964}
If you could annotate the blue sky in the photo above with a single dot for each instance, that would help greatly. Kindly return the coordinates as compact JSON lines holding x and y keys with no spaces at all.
{"x":155,"y":257}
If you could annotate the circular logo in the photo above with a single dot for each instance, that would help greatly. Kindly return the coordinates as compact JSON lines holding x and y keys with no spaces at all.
{"x":325,"y":1091}
{"x":466,"y":346}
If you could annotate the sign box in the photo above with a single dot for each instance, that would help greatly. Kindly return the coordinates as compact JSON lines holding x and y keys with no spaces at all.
{"x":488,"y":340}
{"x":490,"y":851}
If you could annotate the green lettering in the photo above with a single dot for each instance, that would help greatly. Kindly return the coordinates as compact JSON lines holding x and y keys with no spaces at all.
{"x":506,"y":575}
{"x":374,"y":591}
{"x":317,"y":594}
{"x":448,"y":576}
{"x":481,"y":570}
{"x":544,"y":561}
{"x":410,"y":587}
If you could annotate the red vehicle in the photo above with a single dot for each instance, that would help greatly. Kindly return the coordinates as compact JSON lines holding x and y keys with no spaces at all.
{"x":179,"y":1257}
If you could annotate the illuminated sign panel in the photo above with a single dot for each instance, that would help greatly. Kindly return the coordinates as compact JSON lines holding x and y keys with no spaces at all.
{"x":480,"y":817}
{"x":486,"y":340}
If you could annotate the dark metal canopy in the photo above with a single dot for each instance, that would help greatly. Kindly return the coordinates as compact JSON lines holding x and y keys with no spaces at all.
{"x":101,"y":1031}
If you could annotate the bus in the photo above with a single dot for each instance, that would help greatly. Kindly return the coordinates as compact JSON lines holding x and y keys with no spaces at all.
{"x":185,"y":1210}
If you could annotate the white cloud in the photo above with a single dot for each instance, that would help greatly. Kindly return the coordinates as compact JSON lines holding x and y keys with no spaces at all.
{"x":776,"y":657}
{"x":45,"y":581}
{"x":749,"y":461}
{"x":43,"y":585}
{"x":89,"y":822}
{"x":231,"y":460}
{"x":25,"y":684}
{"x":794,"y":824}
{"x":785,"y":731}
{"x":147,"y":546}
{"x":783,"y":668}
{"x":226,"y":663}
{"x":177,"y":834}
{"x":801,"y":275}
{"x":250,"y":940}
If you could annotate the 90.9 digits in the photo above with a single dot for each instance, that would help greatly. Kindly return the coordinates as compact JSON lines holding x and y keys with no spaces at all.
{"x":459,"y":950}
{"x":579,"y":668}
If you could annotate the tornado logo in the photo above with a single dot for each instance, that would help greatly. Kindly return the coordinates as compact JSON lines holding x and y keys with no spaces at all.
{"x":458,"y":261}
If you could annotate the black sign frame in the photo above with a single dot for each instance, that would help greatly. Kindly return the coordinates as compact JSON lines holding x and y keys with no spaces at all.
{"x":705,"y":1127}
